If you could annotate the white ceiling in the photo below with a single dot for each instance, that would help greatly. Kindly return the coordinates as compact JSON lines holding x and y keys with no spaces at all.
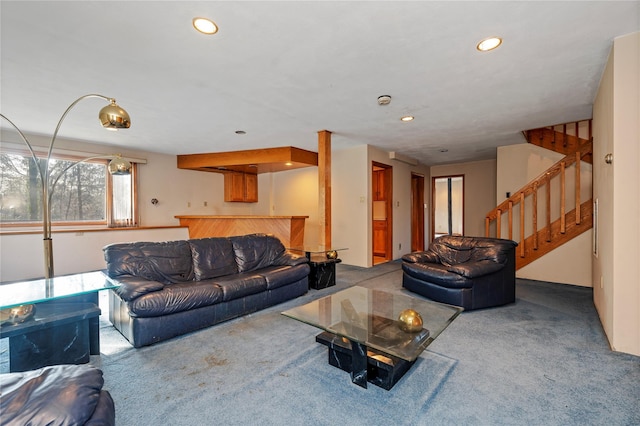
{"x":282,"y":71}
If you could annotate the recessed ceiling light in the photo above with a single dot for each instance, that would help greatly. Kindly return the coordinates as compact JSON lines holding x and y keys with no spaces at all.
{"x":407,"y":118}
{"x":288,"y":163}
{"x":205,"y":26}
{"x":489,"y":44}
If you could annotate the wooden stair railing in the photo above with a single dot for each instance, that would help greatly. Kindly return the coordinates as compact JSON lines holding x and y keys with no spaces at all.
{"x":562,"y":138}
{"x":552,"y":234}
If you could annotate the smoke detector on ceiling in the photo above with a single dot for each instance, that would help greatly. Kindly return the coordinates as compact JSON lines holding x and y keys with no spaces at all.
{"x":384,"y":100}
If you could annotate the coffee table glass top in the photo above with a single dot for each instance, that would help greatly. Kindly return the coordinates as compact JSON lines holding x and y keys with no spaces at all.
{"x":42,"y":290}
{"x":370,"y":317}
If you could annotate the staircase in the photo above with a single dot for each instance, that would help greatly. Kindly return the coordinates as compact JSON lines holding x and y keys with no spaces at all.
{"x":537,"y":215}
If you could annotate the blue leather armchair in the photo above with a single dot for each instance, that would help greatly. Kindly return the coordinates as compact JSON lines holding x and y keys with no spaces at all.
{"x":471,"y":272}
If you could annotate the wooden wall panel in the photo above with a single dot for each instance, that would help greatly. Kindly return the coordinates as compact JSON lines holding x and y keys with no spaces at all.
{"x":289,"y":229}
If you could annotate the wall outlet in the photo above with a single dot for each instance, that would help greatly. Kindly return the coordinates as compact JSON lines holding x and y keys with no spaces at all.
{"x":399,"y":246}
{"x":205,"y":204}
{"x":188,"y":203}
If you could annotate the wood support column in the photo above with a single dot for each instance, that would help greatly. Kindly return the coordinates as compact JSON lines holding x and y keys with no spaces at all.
{"x":324,"y":186}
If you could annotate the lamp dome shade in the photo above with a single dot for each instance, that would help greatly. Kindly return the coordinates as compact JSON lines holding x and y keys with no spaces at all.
{"x":119,"y":166}
{"x":114,"y":117}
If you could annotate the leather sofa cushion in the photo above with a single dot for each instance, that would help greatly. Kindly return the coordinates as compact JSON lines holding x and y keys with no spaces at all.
{"x":256,"y":251}
{"x":421,"y":257}
{"x":60,"y":395}
{"x":476,"y":269}
{"x":278,"y":276}
{"x":436,"y":273}
{"x":240,"y":285}
{"x":176,"y":298}
{"x":212,"y":257}
{"x":166,"y":262}
{"x":133,"y":287}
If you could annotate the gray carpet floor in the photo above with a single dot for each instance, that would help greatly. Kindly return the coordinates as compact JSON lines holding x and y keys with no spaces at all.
{"x":543,"y":360}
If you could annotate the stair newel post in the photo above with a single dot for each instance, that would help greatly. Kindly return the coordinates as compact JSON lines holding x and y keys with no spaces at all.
{"x":563,"y":222}
{"x":548,"y":207}
{"x":510,"y":220}
{"x":578,"y":215}
{"x":535,"y":215}
{"x":522,"y":251}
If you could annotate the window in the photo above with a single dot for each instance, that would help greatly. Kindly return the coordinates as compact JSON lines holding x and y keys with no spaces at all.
{"x":447,"y":204}
{"x":84,"y":194}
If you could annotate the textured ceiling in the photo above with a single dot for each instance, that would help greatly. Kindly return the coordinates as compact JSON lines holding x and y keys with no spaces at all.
{"x":282,"y":71}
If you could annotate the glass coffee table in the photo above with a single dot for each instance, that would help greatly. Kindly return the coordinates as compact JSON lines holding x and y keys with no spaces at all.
{"x":365,"y":336}
{"x":60,"y":325}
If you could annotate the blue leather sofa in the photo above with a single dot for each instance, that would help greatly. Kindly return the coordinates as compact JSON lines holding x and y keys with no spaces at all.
{"x":471,"y":272}
{"x":176,"y":287}
{"x":56,"y":395}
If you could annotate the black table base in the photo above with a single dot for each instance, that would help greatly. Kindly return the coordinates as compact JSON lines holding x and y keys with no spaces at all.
{"x":323,"y":273}
{"x":59,"y":333}
{"x":364,"y":364}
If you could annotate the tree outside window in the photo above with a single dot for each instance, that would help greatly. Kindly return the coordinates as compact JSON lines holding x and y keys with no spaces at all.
{"x":84,"y":194}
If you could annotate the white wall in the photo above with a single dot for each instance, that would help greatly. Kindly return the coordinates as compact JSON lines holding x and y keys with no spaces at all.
{"x":22,"y":255}
{"x":295,"y":193}
{"x":616,"y":129}
{"x":570,"y":263}
{"x":182,"y":192}
{"x":350,"y":198}
{"x":352,"y":207}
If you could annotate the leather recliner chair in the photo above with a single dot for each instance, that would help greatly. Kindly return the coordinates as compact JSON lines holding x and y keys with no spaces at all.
{"x":470,"y":272}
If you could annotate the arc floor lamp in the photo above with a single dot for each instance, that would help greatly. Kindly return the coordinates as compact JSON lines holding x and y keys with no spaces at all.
{"x":111,"y":117}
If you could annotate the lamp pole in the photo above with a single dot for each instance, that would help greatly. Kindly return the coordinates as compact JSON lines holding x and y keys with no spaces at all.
{"x":111,"y":117}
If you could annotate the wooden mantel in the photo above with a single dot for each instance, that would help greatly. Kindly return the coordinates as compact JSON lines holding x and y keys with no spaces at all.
{"x":289,"y":229}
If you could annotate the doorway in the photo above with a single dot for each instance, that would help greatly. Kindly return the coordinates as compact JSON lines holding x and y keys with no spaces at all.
{"x":417,"y":212}
{"x":447,"y":206}
{"x":382,"y":196}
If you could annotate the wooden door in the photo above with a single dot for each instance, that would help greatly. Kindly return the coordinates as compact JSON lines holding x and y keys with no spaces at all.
{"x":382,"y":224}
{"x":417,"y":212}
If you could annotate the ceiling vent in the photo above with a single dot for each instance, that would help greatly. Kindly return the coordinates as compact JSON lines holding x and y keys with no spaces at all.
{"x":384,"y":100}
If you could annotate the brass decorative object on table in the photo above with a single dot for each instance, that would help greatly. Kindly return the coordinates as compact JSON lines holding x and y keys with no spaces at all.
{"x":410,"y":321}
{"x":17,"y":314}
{"x":332,"y":254}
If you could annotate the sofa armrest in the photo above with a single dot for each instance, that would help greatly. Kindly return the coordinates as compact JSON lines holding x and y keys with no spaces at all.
{"x":289,"y":259}
{"x":421,"y":257}
{"x":133,"y":287}
{"x":475,"y":269}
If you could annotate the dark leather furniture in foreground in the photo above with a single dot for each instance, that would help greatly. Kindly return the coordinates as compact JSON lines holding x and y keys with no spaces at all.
{"x":176,"y":287}
{"x":56,"y":395}
{"x":471,"y":272}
